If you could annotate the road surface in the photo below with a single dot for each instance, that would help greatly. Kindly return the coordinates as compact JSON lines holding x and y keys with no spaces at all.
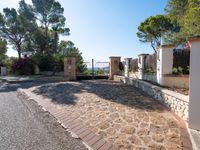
{"x":20,"y":129}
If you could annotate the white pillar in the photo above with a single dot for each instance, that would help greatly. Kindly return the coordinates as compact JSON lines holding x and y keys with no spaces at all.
{"x":194,"y":96}
{"x":141,"y":65}
{"x":164,"y":62}
{"x":127,"y":66}
{"x":3,"y":71}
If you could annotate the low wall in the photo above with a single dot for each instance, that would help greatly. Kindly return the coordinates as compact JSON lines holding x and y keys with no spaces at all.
{"x":177,"y":102}
{"x":176,"y":81}
{"x":150,"y":77}
{"x":134,"y":75}
{"x":51,"y":73}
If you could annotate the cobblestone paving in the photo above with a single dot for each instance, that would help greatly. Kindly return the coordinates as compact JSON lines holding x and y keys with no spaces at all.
{"x":121,"y":114}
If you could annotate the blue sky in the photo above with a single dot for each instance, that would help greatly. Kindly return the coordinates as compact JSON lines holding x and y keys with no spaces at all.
{"x":103,"y":28}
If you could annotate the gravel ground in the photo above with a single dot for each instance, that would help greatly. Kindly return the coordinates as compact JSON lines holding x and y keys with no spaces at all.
{"x":27,"y":127}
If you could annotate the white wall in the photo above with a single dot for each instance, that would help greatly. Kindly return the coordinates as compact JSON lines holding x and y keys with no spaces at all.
{"x":194,"y":105}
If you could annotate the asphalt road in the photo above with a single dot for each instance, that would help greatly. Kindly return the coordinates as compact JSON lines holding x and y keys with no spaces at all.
{"x":20,"y":129}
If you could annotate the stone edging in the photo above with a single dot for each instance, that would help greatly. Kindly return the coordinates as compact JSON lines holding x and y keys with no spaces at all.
{"x":177,"y":102}
{"x":74,"y":126}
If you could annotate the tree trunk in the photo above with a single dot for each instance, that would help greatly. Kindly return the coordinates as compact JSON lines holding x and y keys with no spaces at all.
{"x":55,"y":41}
{"x":18,"y":46}
{"x":19,"y":55}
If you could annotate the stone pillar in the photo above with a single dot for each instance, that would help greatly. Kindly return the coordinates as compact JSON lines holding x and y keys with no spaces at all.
{"x":127,"y":66}
{"x":3,"y":71}
{"x":194,"y":94}
{"x":70,"y":68}
{"x":114,"y":66}
{"x":164,"y":62}
{"x":141,"y":65}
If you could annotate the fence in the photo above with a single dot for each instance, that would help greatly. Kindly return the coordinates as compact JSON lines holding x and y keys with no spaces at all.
{"x":150,"y":63}
{"x":181,"y":61}
{"x":133,"y":65}
{"x":97,"y":67}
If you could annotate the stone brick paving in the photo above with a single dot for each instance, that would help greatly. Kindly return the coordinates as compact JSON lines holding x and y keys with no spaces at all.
{"x":121,"y":114}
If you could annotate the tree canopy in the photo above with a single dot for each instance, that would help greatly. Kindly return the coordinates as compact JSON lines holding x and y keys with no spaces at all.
{"x":186,"y":13}
{"x":180,"y":22}
{"x":13,"y":28}
{"x":154,"y":29}
{"x":34,"y":28}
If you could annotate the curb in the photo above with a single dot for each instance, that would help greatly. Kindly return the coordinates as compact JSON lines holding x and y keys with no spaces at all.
{"x":74,"y":126}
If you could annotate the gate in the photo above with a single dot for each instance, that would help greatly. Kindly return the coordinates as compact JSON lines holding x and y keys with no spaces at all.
{"x":96,"y":69}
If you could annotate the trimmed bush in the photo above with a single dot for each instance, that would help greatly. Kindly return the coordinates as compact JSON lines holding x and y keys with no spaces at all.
{"x":23,"y":66}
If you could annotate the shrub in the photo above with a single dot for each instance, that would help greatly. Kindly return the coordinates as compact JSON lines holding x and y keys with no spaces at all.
{"x":180,"y":70}
{"x":58,"y":63}
{"x":188,"y":70}
{"x":100,"y":72}
{"x":23,"y":66}
{"x":175,"y":70}
{"x":49,"y":62}
{"x":44,"y":62}
{"x":87,"y":72}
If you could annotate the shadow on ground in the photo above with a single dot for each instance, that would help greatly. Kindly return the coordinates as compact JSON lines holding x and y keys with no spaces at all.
{"x":66,"y":93}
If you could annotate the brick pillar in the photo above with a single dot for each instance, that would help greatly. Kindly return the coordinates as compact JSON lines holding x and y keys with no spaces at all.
{"x":127,"y":66}
{"x":164,"y":62}
{"x":141,"y":65}
{"x":114,"y":66}
{"x":70,"y":68}
{"x":194,"y":94}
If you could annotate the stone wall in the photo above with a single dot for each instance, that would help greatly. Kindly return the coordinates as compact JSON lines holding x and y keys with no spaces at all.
{"x":150,"y":77}
{"x":177,"y":102}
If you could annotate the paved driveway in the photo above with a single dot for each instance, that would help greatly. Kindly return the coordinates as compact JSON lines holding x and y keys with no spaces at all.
{"x":20,"y":129}
{"x":121,"y":114}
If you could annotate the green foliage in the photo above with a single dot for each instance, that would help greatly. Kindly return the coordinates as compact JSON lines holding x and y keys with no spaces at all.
{"x":178,"y":71}
{"x":3,"y":50}
{"x":175,"y":70}
{"x":176,"y":10}
{"x":149,"y":70}
{"x":100,"y":72}
{"x":23,"y":66}
{"x":14,"y":27}
{"x":44,"y":61}
{"x":34,"y":29}
{"x":154,"y":29}
{"x":50,"y":14}
{"x":57,"y":63}
{"x":192,"y":18}
{"x":8,"y":62}
{"x":187,"y":14}
{"x":87,"y":72}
